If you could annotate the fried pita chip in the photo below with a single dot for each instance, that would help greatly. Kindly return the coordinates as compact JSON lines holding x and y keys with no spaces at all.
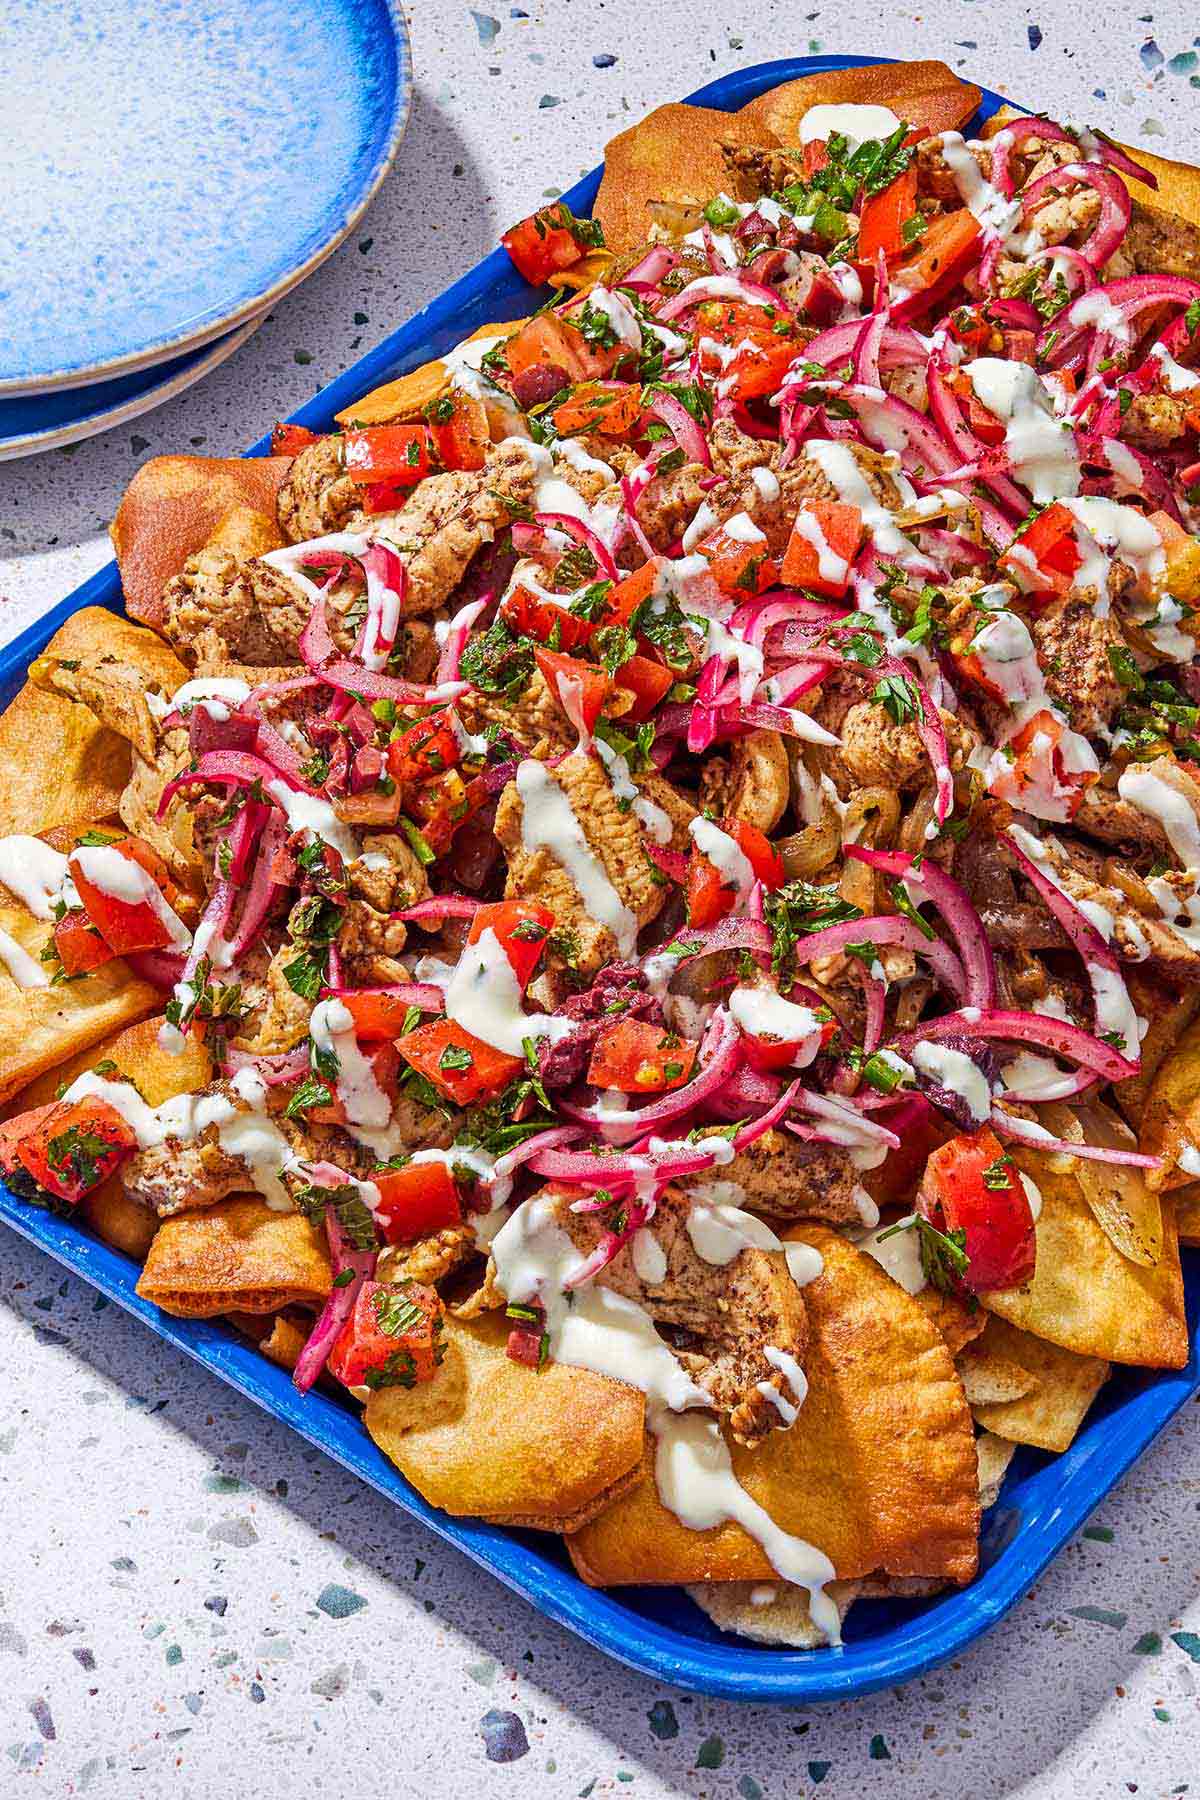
{"x":135,"y":1056}
{"x":988,"y":1375}
{"x":118,"y":1220}
{"x":284,"y":1342}
{"x":172,"y":507}
{"x":1127,"y":1208}
{"x":1187,"y":1213}
{"x":673,"y":154}
{"x":994,"y":1453}
{"x":921,"y":93}
{"x":1171,"y":1119}
{"x":879,"y":1471}
{"x":1170,"y":1012}
{"x":770,"y":1612}
{"x":492,"y":1438}
{"x":1062,"y":1387}
{"x":61,"y":766}
{"x":41,"y":1027}
{"x":109,"y":666}
{"x":1084,"y":1295}
{"x":235,"y":1256}
{"x":955,"y":1320}
{"x":409,"y":395}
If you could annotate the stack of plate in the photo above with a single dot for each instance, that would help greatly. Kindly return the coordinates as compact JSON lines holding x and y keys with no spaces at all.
{"x":170,"y":172}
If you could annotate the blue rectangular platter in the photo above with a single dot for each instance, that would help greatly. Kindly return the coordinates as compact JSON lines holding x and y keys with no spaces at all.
{"x":658,"y":1631}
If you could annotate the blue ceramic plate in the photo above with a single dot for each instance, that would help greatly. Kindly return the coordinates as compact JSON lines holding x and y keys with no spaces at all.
{"x":178,"y":168}
{"x":1045,"y":1499}
{"x":30,"y":423}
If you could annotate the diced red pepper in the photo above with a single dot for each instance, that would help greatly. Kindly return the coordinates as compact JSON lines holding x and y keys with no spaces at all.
{"x":415,"y":1201}
{"x":544,"y":243}
{"x":127,"y":925}
{"x":459,"y":1065}
{"x":635,"y":1057}
{"x":612,"y":408}
{"x":394,"y":455}
{"x":739,"y":567}
{"x":385,"y":1066}
{"x":548,"y":341}
{"x":884,"y":215}
{"x":1038,"y":773}
{"x":1046,"y":555}
{"x":647,"y":681}
{"x":68,"y":1147}
{"x":425,"y":750}
{"x":289,"y":440}
{"x":446,"y":803}
{"x":824,"y":566}
{"x":972,"y":1185}
{"x":577,"y":686}
{"x":521,"y":928}
{"x":458,"y":424}
{"x":79,"y":945}
{"x":708,"y":897}
{"x":943,"y":253}
{"x":393,"y":1338}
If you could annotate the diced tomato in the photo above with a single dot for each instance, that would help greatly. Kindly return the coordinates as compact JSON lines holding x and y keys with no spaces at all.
{"x":759,"y":367}
{"x":972,"y":1185}
{"x":708,"y":897}
{"x":458,"y":424}
{"x":1046,"y":555}
{"x":79,"y":945}
{"x":396,"y":455}
{"x":612,"y":408}
{"x":393,"y":1338}
{"x":532,"y":616}
{"x":920,"y":1129}
{"x":647,"y":681}
{"x":732,"y":321}
{"x":982,"y":421}
{"x":1038,"y":778}
{"x":377,"y":1012}
{"x":443,"y":804}
{"x":289,"y":440}
{"x":548,"y":341}
{"x":825,"y":540}
{"x":738,"y":566}
{"x":969,"y":326}
{"x":544,"y":243}
{"x":459,"y":1065}
{"x":970,"y":666}
{"x":127,"y":925}
{"x":882,"y":219}
{"x":635,"y":1057}
{"x":385,"y":1066}
{"x":815,"y":156}
{"x":628,"y":594}
{"x":415,"y":1201}
{"x":581,"y":688}
{"x":384,"y":496}
{"x":426,"y":749}
{"x":68,"y":1147}
{"x":521,"y":928}
{"x":770,"y":1054}
{"x":942,"y":254}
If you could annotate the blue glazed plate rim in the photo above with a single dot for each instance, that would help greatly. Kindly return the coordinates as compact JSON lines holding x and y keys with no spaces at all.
{"x":1039,"y":1510}
{"x":165,"y":347}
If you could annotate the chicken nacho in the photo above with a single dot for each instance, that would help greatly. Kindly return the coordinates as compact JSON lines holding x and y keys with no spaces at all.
{"x":634,"y":908}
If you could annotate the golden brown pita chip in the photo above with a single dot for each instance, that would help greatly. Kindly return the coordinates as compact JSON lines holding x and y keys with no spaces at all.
{"x":994,"y":1453}
{"x":922,"y":93}
{"x":955,"y":1320}
{"x":41,"y":1027}
{"x":1171,"y":1118}
{"x":770,"y":1612}
{"x":170,"y":510}
{"x":1062,"y":1387}
{"x":246,"y":533}
{"x":492,"y":1438}
{"x":1086,"y":1296}
{"x":1187,"y":1213}
{"x":1126,"y":1206}
{"x":988,"y":1375}
{"x":235,"y":1256}
{"x":673,"y":154}
{"x":284,"y":1342}
{"x":109,"y":667}
{"x":117,"y":1219}
{"x":134,"y":1051}
{"x":61,"y":766}
{"x":409,"y":395}
{"x":879,"y":1471}
{"x":1170,"y":1012}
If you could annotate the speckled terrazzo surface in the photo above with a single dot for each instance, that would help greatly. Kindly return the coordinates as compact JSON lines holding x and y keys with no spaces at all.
{"x":191,"y":1601}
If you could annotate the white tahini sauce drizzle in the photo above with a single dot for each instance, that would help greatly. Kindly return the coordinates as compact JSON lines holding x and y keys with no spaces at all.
{"x":34,"y":873}
{"x":125,"y":880}
{"x":549,"y":823}
{"x":21,"y":966}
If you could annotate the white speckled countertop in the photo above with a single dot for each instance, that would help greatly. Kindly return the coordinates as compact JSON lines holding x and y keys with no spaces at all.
{"x":194,"y":1603}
